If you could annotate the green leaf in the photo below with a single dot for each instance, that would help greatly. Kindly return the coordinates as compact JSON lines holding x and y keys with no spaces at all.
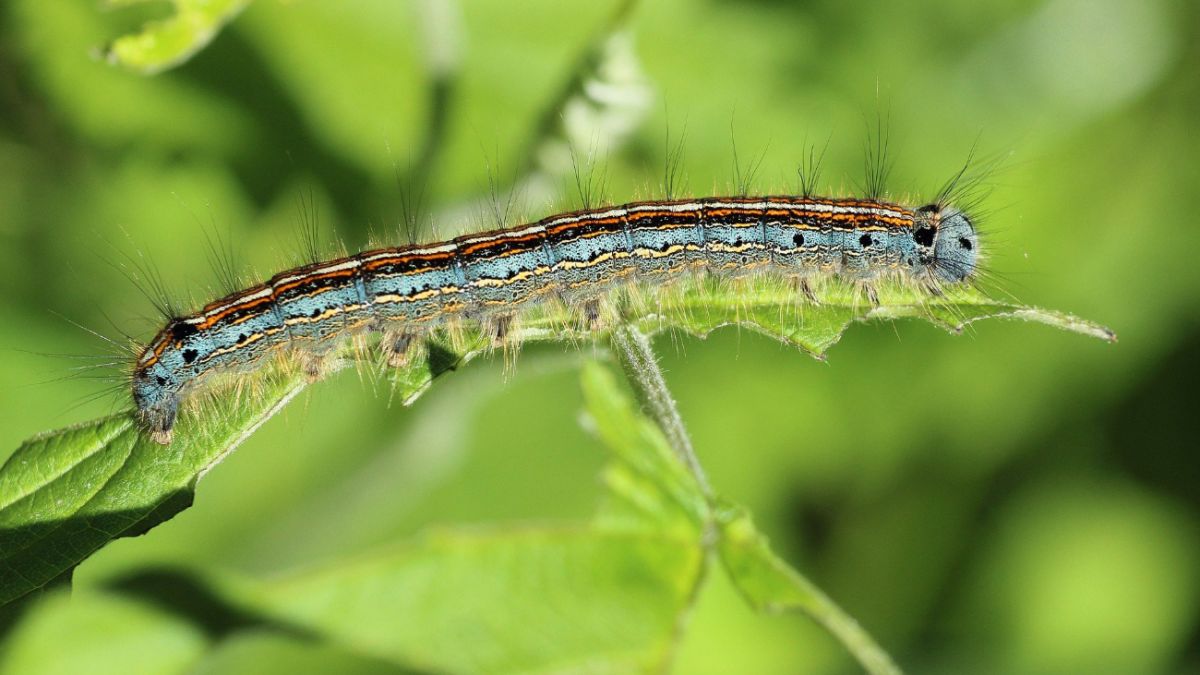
{"x":166,"y":621}
{"x":505,"y":600}
{"x":167,"y":43}
{"x":603,"y":596}
{"x":100,"y":634}
{"x":648,"y":486}
{"x":770,"y":585}
{"x":65,"y":494}
{"x":773,"y":309}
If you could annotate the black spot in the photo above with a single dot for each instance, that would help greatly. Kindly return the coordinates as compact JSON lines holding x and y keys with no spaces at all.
{"x":798,"y":240}
{"x":924,"y":236}
{"x":929,"y":208}
{"x":181,"y":330}
{"x":965,"y":243}
{"x":190,"y":355}
{"x":315,"y":313}
{"x":865,"y":240}
{"x":162,"y":381}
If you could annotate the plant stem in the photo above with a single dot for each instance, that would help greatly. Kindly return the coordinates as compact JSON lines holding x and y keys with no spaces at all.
{"x":849,"y":632}
{"x":638,"y":361}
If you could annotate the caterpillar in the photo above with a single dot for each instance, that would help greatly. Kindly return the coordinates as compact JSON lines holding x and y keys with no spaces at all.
{"x":577,"y":257}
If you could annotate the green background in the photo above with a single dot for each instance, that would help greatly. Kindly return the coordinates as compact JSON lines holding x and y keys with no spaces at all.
{"x":1013,"y":500}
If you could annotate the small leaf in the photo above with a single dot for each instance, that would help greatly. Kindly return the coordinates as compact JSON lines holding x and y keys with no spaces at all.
{"x":165,"y":44}
{"x":649,"y":486}
{"x":769,"y":584}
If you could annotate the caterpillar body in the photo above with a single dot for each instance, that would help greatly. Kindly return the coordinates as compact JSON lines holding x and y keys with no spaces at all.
{"x":490,"y":276}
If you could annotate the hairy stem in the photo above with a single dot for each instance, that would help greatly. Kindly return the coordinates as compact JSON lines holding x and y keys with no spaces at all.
{"x":638,"y":361}
{"x":842,"y":626}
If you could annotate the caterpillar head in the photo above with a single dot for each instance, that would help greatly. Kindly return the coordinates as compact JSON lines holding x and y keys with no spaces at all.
{"x":947,"y":243}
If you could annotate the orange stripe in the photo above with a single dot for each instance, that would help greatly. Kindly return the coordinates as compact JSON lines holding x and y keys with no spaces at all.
{"x":484,"y":245}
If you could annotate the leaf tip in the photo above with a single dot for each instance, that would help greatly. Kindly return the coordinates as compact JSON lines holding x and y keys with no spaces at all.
{"x":1068,"y":322}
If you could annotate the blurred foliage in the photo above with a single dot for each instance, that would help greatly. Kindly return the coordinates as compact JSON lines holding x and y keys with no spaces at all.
{"x":166,"y":43}
{"x":1020,"y":500}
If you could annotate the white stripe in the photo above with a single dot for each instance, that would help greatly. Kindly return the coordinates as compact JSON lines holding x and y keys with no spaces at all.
{"x":380,"y":255}
{"x":676,"y":208}
{"x":499,"y":235}
{"x":825,"y":208}
{"x":348,"y":265}
{"x":400,"y":253}
{"x":444,"y":248}
{"x":611,"y":213}
{"x":264,"y":293}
